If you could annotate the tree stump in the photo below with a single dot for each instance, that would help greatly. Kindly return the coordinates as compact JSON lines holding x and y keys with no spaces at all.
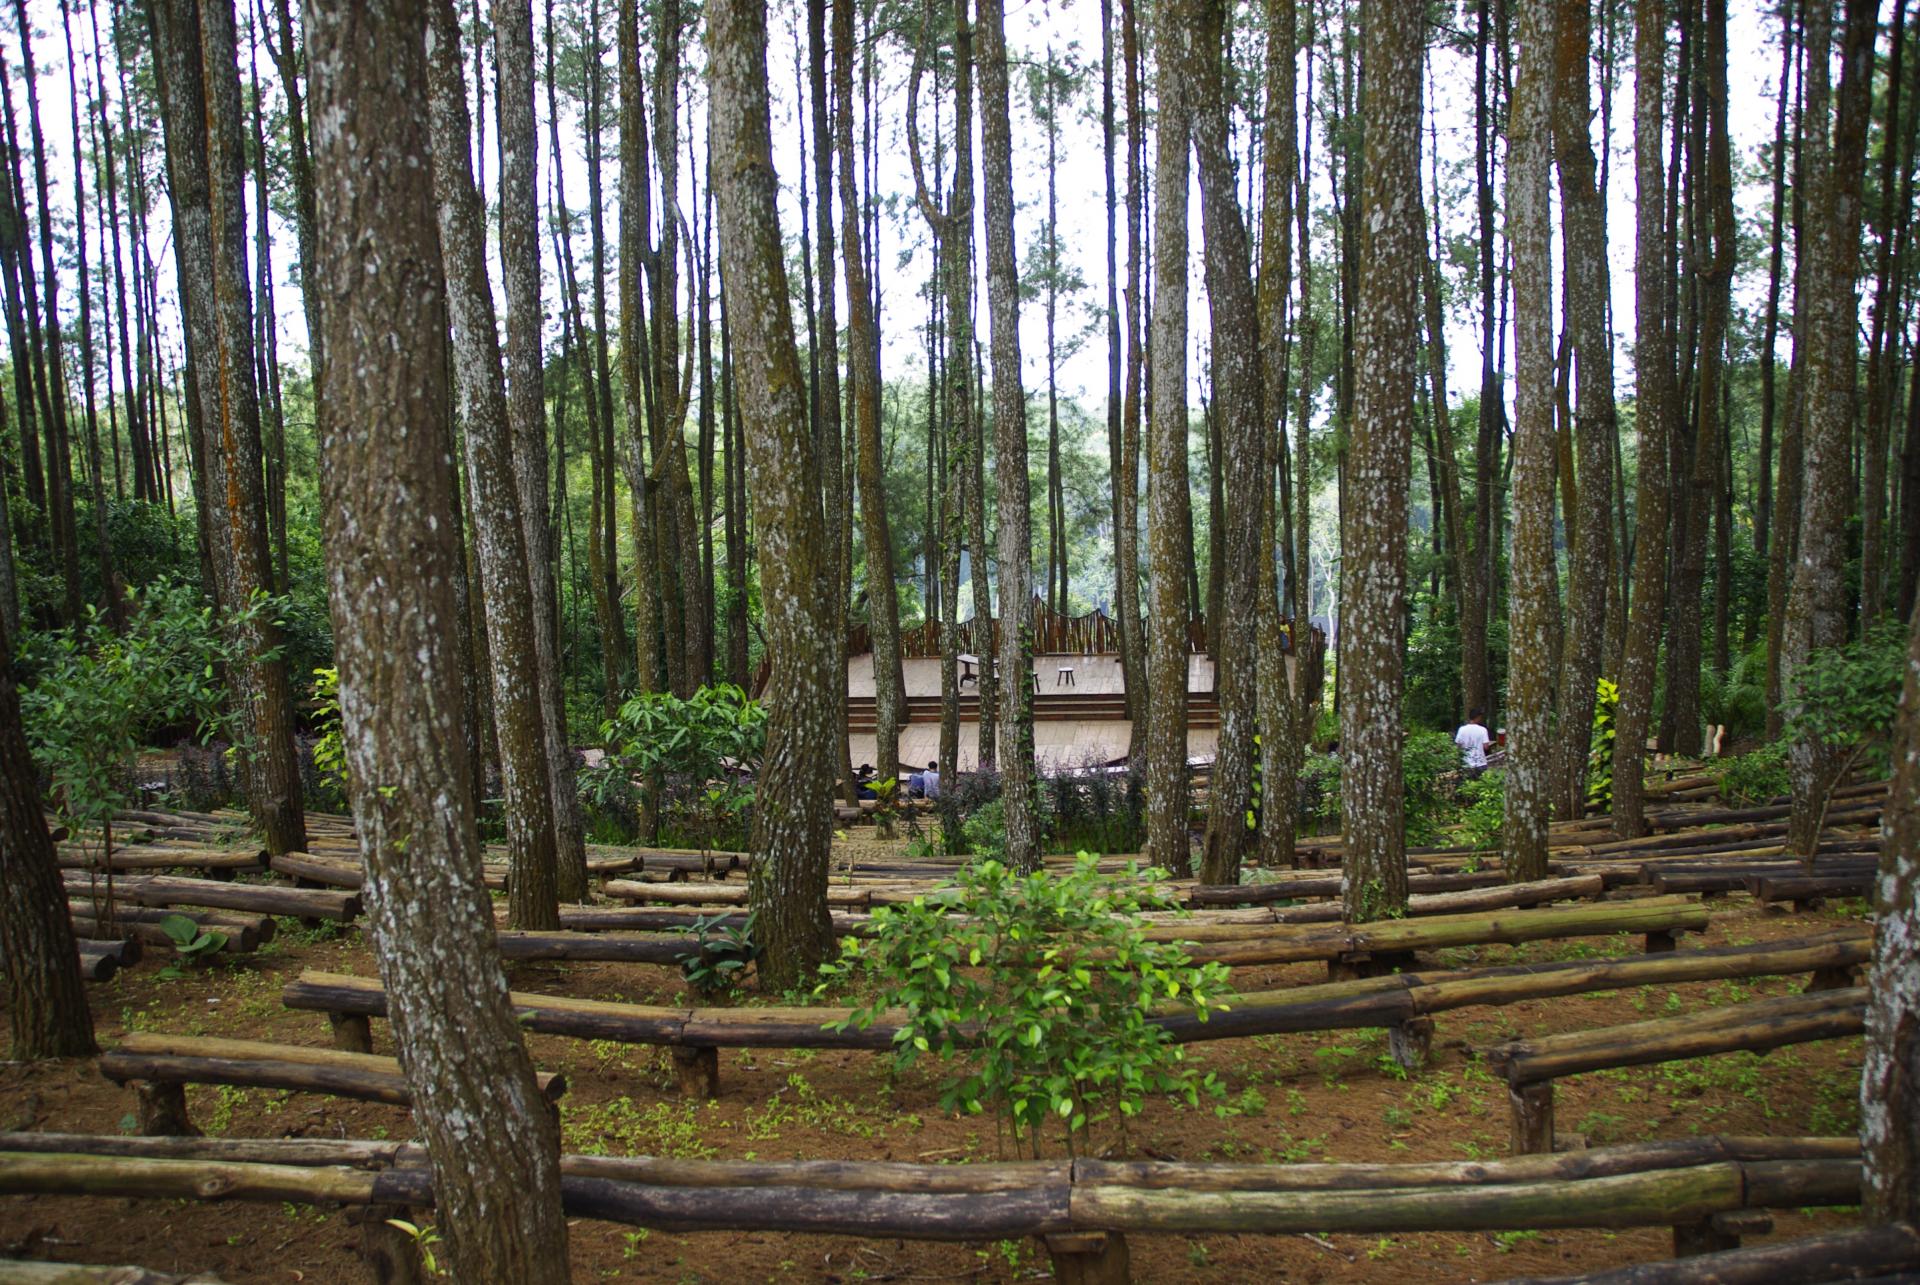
{"x":1831,"y":979}
{"x":1411,"y":1042}
{"x":389,"y":1253}
{"x":1661,"y":942}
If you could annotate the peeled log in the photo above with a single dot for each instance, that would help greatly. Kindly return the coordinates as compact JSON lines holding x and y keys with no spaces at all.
{"x":1889,"y":1252}
{"x":264,"y":899}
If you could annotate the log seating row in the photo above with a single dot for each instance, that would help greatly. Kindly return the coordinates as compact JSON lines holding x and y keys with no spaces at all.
{"x":1531,"y":1066}
{"x":161,"y":1066}
{"x":1402,"y":1002}
{"x":1082,"y":1209}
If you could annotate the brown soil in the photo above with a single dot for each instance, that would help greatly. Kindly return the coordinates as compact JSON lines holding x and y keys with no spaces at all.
{"x":1289,"y":1098}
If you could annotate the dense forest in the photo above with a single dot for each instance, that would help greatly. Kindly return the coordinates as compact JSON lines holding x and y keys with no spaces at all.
{"x":433,"y":432}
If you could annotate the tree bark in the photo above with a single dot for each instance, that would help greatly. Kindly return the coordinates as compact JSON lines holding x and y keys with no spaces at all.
{"x":1531,"y":747}
{"x":1126,"y":543}
{"x":526,"y":414}
{"x":793,"y":812}
{"x":1890,"y":1081}
{"x":863,"y":372}
{"x":1015,"y":669}
{"x":1584,"y":228}
{"x":1817,"y":600}
{"x":494,"y":1145}
{"x":1653,"y":397}
{"x":1374,"y":514}
{"x":1168,"y":532}
{"x":47,"y":1002}
{"x":480,"y":393}
{"x":1240,"y":410}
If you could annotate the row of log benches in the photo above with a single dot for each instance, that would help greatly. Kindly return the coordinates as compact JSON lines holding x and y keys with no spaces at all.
{"x":1711,"y":1191}
{"x":1403,"y":1002}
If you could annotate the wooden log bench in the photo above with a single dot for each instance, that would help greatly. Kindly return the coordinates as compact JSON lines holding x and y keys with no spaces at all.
{"x":252,"y":898}
{"x":223,"y":863}
{"x":1531,"y":1066}
{"x":1805,"y":891}
{"x":1404,"y":1003}
{"x":244,"y":933}
{"x":1081,"y":1210}
{"x":1890,"y":1252}
{"x":20,"y":1271}
{"x":161,"y":1066}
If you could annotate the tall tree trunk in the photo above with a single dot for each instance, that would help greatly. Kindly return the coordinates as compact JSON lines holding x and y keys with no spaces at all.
{"x":266,"y":342}
{"x":499,"y":546}
{"x":636,"y":378}
{"x":207,"y":168}
{"x":1477,"y":570}
{"x":1530,"y":766}
{"x":863,"y":372}
{"x":300,"y":168}
{"x":1784,"y":543}
{"x":1015,"y":667}
{"x":1240,"y":411}
{"x":47,"y":1002}
{"x":1654,"y":409}
{"x":1890,"y":1081}
{"x":1817,"y":600}
{"x":1126,"y":543}
{"x":1584,"y":227}
{"x":1282,"y":740}
{"x":526,"y":414}
{"x":1169,"y":539}
{"x":1889,"y":257}
{"x":492,"y":1143}
{"x":1769,"y":403}
{"x":1374,"y":512}
{"x":793,"y":812}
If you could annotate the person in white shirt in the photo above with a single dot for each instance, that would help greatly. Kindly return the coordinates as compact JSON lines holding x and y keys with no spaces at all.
{"x":1473,"y":739}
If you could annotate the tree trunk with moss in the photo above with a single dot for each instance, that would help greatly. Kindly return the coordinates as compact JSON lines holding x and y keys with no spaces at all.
{"x":1168,"y":500}
{"x":1584,"y":230}
{"x":526,"y":414}
{"x":392,"y":560}
{"x":1015,"y":668}
{"x":1241,"y":412}
{"x":1379,"y":462}
{"x":1890,"y":1081}
{"x":793,"y":803}
{"x":1653,"y":398}
{"x":863,"y":370}
{"x":1817,"y":600}
{"x":480,"y":394}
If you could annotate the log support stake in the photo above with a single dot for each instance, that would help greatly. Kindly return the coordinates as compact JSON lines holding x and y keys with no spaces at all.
{"x":1532,"y":1118}
{"x":163,"y":1110}
{"x":389,"y":1253}
{"x":1831,"y":979}
{"x":1703,"y":1237}
{"x":698,"y":1070}
{"x":1089,"y":1258}
{"x":1660,"y":942}
{"x":352,"y":1032}
{"x":1411,"y":1042}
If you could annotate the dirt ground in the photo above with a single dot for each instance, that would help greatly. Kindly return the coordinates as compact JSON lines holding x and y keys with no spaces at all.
{"x":1290,"y":1098}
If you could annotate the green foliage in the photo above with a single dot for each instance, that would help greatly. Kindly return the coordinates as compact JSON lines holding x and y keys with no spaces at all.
{"x":1429,"y":771}
{"x":92,"y":696}
{"x":1844,"y":697}
{"x":1600,"y":755}
{"x":1754,"y":778}
{"x":720,"y":953}
{"x":190,"y":940}
{"x":1039,"y":989}
{"x":330,"y":749}
{"x":1737,"y":699}
{"x":690,"y":758}
{"x":986,"y":830}
{"x":1483,"y":820}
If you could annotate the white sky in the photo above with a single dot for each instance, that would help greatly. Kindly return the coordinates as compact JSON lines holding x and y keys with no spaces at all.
{"x":1072,"y":27}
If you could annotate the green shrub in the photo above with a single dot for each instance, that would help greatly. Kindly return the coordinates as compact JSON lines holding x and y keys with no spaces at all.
{"x":1038,"y":991}
{"x":1483,"y":820}
{"x":1600,"y":749}
{"x":1845,"y":697}
{"x":683,"y":762}
{"x":1430,"y":774}
{"x":1754,"y":778}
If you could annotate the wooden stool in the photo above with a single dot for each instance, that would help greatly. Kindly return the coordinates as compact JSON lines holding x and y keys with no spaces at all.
{"x":1063,"y":676}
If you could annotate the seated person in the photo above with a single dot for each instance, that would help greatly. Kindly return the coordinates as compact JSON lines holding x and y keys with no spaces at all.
{"x":930,"y":782}
{"x":863,"y":782}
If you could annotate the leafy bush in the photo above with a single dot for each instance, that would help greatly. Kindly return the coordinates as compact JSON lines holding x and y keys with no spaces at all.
{"x":1430,"y":774}
{"x":1094,"y":810}
{"x":720,"y":953}
{"x":1320,"y":792}
{"x":1845,"y":697}
{"x":1483,"y":820}
{"x":1600,"y":747}
{"x":93,"y":696}
{"x":1039,"y":990}
{"x":683,"y":763}
{"x":1755,"y":778}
